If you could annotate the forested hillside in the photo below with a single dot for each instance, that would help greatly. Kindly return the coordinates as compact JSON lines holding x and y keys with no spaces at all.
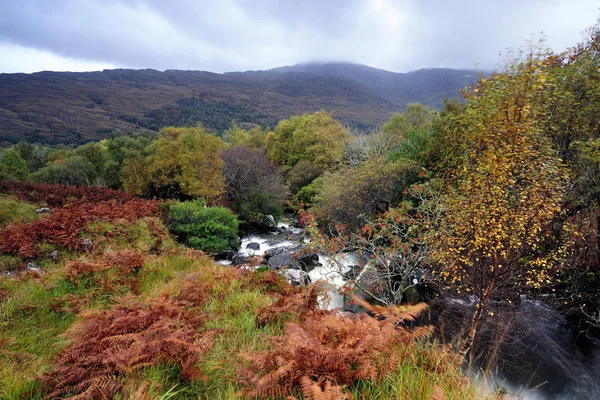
{"x":74,"y":108}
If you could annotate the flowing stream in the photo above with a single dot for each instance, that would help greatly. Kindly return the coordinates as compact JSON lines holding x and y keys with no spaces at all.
{"x":544,"y":357}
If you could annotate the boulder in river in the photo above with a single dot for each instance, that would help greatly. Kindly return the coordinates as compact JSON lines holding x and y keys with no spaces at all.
{"x":283,"y":260}
{"x":240,"y":258}
{"x":269,"y":222}
{"x":276,"y":251}
{"x":291,"y":257}
{"x":309,"y":261}
{"x":296,"y":277}
{"x":253,"y":246}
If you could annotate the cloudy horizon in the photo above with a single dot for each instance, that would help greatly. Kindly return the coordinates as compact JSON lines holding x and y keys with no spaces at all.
{"x":238,"y":35}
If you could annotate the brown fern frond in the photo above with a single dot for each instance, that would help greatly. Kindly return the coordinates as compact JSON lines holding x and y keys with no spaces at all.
{"x":64,"y":226}
{"x":108,"y":347}
{"x":141,"y":393}
{"x":437,"y":393}
{"x":400,"y":313}
{"x":295,"y":306}
{"x":333,"y":348}
{"x":312,"y":390}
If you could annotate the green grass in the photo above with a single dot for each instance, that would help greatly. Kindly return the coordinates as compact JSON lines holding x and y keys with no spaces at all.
{"x":13,"y":210}
{"x":30,"y":334}
{"x":35,"y":312}
{"x":31,"y":329}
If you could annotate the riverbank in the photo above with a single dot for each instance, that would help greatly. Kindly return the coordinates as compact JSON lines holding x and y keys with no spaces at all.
{"x":133,"y":314}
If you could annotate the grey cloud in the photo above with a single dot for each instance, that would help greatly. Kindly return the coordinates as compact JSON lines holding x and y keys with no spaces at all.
{"x":257,"y":34}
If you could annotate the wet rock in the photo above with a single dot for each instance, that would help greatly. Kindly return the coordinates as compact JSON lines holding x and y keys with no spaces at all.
{"x":253,"y":246}
{"x":352,"y":272}
{"x":292,"y":257}
{"x":283,"y":260}
{"x":269,"y":222}
{"x":283,"y":230}
{"x":43,"y":210}
{"x":276,"y":251}
{"x":308,"y":262}
{"x":240,"y":258}
{"x":225,"y":256}
{"x":86,"y":244}
{"x":296,"y":277}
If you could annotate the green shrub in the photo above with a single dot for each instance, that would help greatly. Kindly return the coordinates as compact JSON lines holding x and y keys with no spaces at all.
{"x":309,"y":193}
{"x":12,"y":166}
{"x":302,"y":174}
{"x":210,"y":229}
{"x":74,"y":170}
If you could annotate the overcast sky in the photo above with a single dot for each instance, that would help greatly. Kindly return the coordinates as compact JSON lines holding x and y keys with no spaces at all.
{"x":234,"y":35}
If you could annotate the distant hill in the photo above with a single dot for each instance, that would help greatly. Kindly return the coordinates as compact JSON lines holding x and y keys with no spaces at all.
{"x":64,"y":107}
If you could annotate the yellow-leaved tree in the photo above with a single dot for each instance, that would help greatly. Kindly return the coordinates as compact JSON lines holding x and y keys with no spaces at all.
{"x":182,"y":162}
{"x":502,"y":187}
{"x":316,"y":138}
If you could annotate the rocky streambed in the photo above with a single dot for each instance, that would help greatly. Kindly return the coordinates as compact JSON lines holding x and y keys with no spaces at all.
{"x":544,"y":356}
{"x":285,"y":251}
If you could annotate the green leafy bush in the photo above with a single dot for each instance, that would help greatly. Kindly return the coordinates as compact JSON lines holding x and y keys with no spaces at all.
{"x":210,"y":229}
{"x":74,"y":170}
{"x":352,"y":196}
{"x":309,"y":193}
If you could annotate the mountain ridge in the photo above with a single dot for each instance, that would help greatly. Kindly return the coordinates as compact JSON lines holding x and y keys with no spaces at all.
{"x":76,"y":107}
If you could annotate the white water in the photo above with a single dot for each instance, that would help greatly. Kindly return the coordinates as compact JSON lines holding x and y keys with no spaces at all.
{"x":263,"y":245}
{"x":331,"y":274}
{"x":290,"y":228}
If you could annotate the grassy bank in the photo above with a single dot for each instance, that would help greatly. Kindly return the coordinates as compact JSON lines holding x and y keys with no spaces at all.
{"x":138,"y":316}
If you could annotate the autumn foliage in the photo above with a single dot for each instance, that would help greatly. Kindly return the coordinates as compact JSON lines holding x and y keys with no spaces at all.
{"x":107,"y":347}
{"x":501,"y":189}
{"x":60,"y":195}
{"x":333,"y":350}
{"x":297,"y":305}
{"x":66,"y":226}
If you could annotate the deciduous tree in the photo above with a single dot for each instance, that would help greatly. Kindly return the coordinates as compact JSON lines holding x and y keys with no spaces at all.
{"x":502,"y":188}
{"x":316,"y":137}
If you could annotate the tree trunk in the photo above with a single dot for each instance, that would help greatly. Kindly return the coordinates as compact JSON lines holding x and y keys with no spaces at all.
{"x":470,"y":336}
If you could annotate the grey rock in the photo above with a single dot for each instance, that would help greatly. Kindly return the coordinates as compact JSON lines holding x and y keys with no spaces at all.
{"x":43,"y":210}
{"x":352,"y":273}
{"x":253,"y":246}
{"x":225,"y":256}
{"x":276,"y":251}
{"x":308,"y":262}
{"x":269,"y":222}
{"x":291,"y":257}
{"x":283,"y":260}
{"x":86,"y":244}
{"x":296,"y":277}
{"x":33,"y":267}
{"x":54,"y":255}
{"x":239,"y":259}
